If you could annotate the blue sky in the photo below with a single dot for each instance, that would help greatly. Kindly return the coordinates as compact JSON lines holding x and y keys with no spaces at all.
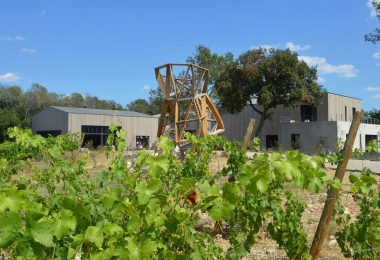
{"x":109,"y":49}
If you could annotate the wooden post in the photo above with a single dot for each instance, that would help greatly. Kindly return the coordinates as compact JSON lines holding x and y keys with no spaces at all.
{"x":332,"y":195}
{"x":247,"y":136}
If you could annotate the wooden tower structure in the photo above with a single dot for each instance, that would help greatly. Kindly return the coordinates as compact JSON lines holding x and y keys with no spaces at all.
{"x":187,"y":106}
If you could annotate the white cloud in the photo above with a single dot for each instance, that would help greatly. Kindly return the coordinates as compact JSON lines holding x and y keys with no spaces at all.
{"x":265,"y":46}
{"x":293,"y":47}
{"x":28,"y":50}
{"x":343,"y":71}
{"x":145,"y":87}
{"x":9,"y":77}
{"x":43,"y":12}
{"x":376,"y":96}
{"x":9,"y":38}
{"x":369,"y":88}
{"x":373,"y":11}
{"x":320,"y":79}
{"x":376,"y":55}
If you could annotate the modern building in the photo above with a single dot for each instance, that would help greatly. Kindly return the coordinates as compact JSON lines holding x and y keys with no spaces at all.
{"x":141,"y":129}
{"x":306,"y":128}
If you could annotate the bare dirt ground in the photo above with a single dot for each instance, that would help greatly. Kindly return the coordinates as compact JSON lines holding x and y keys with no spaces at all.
{"x":266,"y":248}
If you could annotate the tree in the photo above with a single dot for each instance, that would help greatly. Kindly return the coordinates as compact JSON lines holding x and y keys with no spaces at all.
{"x":139,"y":105}
{"x":156,"y":101}
{"x":374,"y":114}
{"x":375,"y":36}
{"x":213,"y":62}
{"x":273,"y":77}
{"x":77,"y":100}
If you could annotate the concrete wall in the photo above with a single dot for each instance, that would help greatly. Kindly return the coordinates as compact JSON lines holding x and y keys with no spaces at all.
{"x":334,"y":132}
{"x":310,"y":134}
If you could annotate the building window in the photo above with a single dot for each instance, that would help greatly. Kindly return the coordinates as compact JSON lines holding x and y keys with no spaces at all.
{"x":272,"y":141}
{"x":308,"y":113}
{"x":345,"y":113}
{"x":95,"y":135}
{"x":50,"y":132}
{"x":369,"y":138}
{"x":353,"y":113}
{"x":295,"y":141}
{"x":142,"y":141}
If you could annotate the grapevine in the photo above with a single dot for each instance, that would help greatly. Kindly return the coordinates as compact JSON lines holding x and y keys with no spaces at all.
{"x":151,"y":211}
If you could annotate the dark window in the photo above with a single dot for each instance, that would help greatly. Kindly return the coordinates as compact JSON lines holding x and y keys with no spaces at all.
{"x":95,"y":135}
{"x":353,"y":112}
{"x":51,"y":132}
{"x":369,"y":138}
{"x":272,"y":141}
{"x":345,"y":113}
{"x":308,"y":113}
{"x":295,"y":141}
{"x":142,"y":141}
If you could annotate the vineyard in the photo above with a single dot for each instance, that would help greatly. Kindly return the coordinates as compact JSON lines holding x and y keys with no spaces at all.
{"x":154,"y":206}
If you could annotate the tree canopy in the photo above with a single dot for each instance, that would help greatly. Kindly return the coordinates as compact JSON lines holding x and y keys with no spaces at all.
{"x":375,"y":36}
{"x":374,"y":114}
{"x":153,"y":107}
{"x":272,"y":77}
{"x":213,"y":62}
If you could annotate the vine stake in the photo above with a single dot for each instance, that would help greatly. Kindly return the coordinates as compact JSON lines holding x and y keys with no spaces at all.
{"x":332,"y":195}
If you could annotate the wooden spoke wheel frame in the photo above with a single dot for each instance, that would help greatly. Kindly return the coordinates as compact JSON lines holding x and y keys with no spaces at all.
{"x":187,"y":106}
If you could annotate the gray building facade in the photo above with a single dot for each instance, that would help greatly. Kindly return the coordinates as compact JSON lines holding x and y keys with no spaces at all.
{"x":141,"y":129}
{"x":305,"y":127}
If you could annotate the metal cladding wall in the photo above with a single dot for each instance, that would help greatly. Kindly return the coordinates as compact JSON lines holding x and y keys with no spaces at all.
{"x":340,"y":107}
{"x":333,"y":107}
{"x":133,"y":126}
{"x":50,"y":119}
{"x":53,"y":118}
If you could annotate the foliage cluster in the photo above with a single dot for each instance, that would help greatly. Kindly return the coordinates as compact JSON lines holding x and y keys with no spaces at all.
{"x":152,"y":210}
{"x":375,"y":36}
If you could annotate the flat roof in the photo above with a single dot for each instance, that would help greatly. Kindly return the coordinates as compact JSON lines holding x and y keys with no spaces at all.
{"x":343,"y":95}
{"x":77,"y":110}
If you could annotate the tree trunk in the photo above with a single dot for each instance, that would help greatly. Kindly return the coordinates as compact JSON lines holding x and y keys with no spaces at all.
{"x":261,"y":124}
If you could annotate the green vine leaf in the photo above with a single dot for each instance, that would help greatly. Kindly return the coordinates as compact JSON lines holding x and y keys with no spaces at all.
{"x":94,"y":234}
{"x":10,"y":229}
{"x":38,"y":229}
{"x":141,"y":251}
{"x":166,"y":144}
{"x":158,"y":165}
{"x":146,"y":190}
{"x":12,"y":199}
{"x":64,"y":221}
{"x":231,"y":193}
{"x":222,"y":210}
